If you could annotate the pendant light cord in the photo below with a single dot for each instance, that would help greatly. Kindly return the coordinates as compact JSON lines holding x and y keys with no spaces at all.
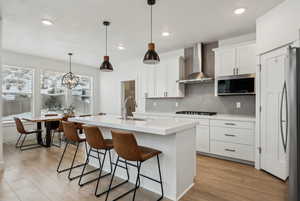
{"x":106,"y":40}
{"x":70,"y":61}
{"x":151,"y":22}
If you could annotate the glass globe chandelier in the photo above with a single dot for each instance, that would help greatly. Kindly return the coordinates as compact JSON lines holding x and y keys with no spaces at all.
{"x":70,"y":80}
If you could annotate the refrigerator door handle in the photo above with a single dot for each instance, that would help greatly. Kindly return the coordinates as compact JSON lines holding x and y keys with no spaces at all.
{"x":283,"y":139}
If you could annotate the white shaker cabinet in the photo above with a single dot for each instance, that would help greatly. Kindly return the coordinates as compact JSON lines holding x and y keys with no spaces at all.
{"x":203,"y":137}
{"x":161,"y":79}
{"x":236,"y":60}
{"x":225,"y":62}
{"x":279,"y":26}
{"x":246,"y":59}
{"x":149,"y":82}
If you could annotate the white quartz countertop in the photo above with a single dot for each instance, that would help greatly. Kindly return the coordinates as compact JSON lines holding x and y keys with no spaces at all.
{"x":152,"y":126}
{"x":213,"y":117}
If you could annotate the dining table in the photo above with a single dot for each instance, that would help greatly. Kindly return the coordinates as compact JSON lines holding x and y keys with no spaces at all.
{"x":39,"y":120}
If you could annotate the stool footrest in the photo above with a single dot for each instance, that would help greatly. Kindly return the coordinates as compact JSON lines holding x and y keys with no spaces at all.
{"x":75,"y":177}
{"x":142,"y":175}
{"x":116,"y":186}
{"x":67,"y":169}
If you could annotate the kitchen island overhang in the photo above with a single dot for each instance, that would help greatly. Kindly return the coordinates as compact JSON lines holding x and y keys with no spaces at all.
{"x":175,"y":138}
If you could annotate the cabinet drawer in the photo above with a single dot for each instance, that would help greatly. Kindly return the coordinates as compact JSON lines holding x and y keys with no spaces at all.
{"x":233,"y":124}
{"x":232,"y":150}
{"x":233,"y":135}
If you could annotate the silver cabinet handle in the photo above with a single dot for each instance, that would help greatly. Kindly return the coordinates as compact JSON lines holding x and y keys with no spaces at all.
{"x":230,"y":150}
{"x":229,"y":135}
{"x":284,"y":139}
{"x":230,"y":124}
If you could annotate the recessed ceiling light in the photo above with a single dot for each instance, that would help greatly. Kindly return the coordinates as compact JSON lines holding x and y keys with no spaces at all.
{"x":47,"y":22}
{"x":165,"y":33}
{"x":239,"y":11}
{"x":121,"y":47}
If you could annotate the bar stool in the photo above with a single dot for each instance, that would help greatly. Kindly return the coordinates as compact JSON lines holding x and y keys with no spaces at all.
{"x":97,"y":144}
{"x":72,"y":137}
{"x":127,"y":148}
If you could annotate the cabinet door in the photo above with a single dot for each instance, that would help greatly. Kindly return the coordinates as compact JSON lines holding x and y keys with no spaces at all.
{"x":161,"y":79}
{"x":246,"y":59}
{"x":273,"y":158}
{"x":202,"y":138}
{"x":226,"y":62}
{"x":173,"y":75}
{"x":150,"y":81}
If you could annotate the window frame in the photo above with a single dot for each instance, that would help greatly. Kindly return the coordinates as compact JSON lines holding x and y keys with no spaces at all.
{"x":32,"y":104}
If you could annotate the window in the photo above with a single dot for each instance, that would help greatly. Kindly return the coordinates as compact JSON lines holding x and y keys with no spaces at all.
{"x":53,"y":94}
{"x":81,"y":96}
{"x":17,"y":86}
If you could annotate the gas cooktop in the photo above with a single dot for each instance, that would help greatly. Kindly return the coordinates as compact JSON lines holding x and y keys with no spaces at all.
{"x":196,"y":113}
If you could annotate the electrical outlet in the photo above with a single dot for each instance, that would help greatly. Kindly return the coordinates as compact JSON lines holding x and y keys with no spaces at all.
{"x":238,"y":105}
{"x":154,"y":104}
{"x":176,"y":104}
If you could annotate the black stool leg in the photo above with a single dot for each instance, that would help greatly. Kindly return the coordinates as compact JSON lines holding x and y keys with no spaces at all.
{"x":18,"y":141}
{"x":71,"y":168}
{"x":160,"y":179}
{"x":112,"y":178}
{"x":137,"y":182}
{"x":100,"y":173}
{"x":61,"y":158}
{"x":85,"y":164}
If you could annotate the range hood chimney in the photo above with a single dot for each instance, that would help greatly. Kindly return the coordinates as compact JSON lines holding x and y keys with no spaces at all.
{"x":193,"y":65}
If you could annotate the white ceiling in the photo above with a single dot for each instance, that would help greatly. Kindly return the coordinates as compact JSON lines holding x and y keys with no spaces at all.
{"x":78,"y":25}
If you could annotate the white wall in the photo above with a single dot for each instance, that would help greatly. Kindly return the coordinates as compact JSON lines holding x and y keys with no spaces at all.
{"x":39,"y":64}
{"x":1,"y":133}
{"x":279,"y":26}
{"x":110,"y":85}
{"x":238,"y":39}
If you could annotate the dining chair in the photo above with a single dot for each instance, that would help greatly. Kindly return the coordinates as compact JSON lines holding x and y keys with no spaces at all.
{"x":23,"y":132}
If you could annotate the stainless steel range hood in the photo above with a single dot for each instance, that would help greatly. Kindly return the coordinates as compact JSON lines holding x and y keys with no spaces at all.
{"x":193,"y":66}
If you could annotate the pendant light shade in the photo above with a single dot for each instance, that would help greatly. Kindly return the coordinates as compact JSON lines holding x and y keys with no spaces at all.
{"x":70,"y":80}
{"x":106,"y":65}
{"x":151,"y":56}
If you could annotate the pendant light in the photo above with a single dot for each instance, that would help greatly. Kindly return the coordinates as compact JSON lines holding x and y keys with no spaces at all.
{"x":151,"y":57}
{"x":70,"y":80}
{"x":106,"y":65}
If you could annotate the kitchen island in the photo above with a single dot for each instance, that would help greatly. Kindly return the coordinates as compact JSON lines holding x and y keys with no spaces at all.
{"x":175,"y":138}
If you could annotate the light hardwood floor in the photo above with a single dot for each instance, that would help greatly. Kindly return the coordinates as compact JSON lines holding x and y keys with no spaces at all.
{"x":31,"y":176}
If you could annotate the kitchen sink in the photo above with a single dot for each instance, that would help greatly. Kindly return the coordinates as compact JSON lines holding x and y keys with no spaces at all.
{"x":133,"y":119}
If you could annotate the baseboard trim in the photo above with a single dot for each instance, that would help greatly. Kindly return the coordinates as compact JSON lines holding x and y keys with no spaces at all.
{"x":185,"y":191}
{"x":227,"y":158}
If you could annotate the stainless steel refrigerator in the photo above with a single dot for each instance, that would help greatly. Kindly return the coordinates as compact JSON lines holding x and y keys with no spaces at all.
{"x":293,"y":123}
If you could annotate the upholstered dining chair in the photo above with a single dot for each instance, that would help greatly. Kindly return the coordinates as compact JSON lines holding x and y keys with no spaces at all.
{"x":24,"y":133}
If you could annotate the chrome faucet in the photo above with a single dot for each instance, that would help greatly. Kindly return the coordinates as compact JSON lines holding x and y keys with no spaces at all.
{"x":124,"y":104}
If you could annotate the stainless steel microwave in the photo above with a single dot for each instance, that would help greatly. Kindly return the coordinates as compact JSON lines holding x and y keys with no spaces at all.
{"x":236,"y":85}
